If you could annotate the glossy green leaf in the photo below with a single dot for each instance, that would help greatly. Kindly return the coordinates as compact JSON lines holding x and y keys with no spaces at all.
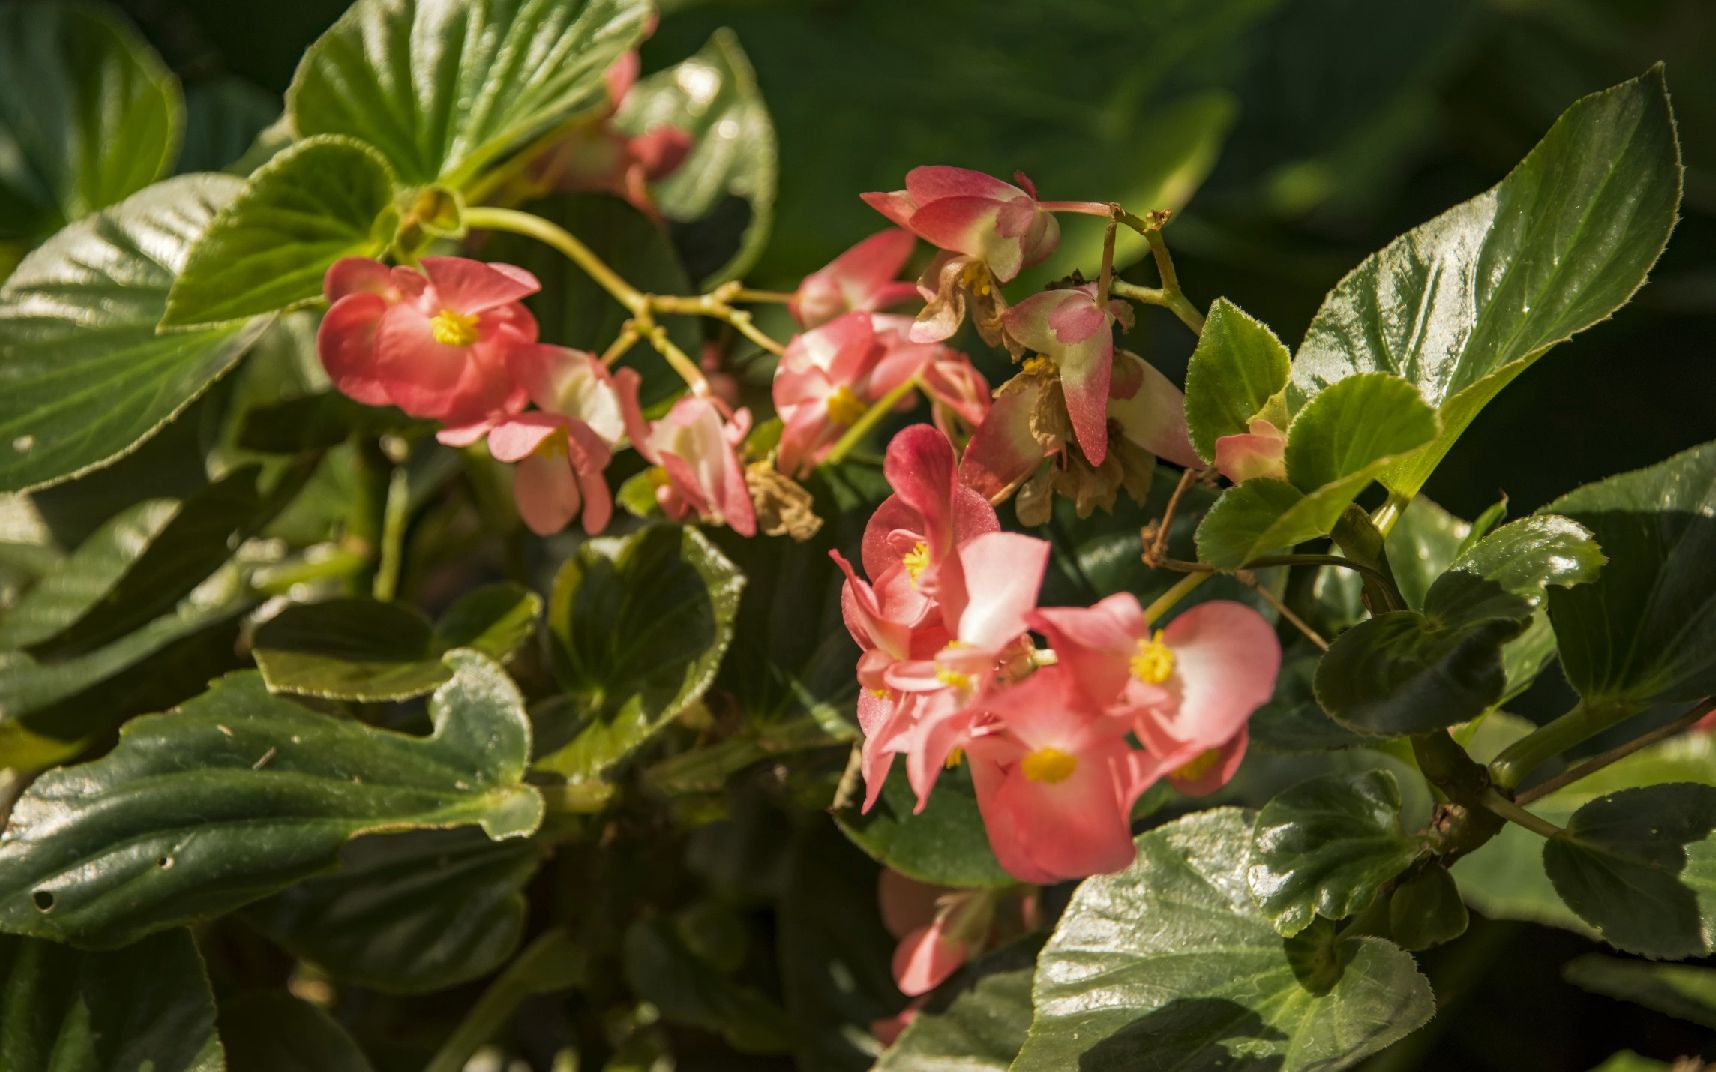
{"x":946,"y":844}
{"x":1292,"y":721}
{"x":320,"y":200}
{"x":239,"y":793}
{"x":1639,"y":865}
{"x":1169,"y":964}
{"x":639,"y":625}
{"x":145,"y":1006}
{"x":1461,"y":305}
{"x":223,"y":117}
{"x":1412,"y":672}
{"x":410,"y":913}
{"x":722,"y":195}
{"x":442,"y":87}
{"x":1645,"y":632}
{"x":1679,"y":990}
{"x":84,"y":377}
{"x":272,"y":1031}
{"x":976,"y":1021}
{"x":1238,"y":366}
{"x":1425,"y":910}
{"x":1336,"y":445}
{"x":366,"y":650}
{"x":88,"y":115}
{"x":1326,"y":847}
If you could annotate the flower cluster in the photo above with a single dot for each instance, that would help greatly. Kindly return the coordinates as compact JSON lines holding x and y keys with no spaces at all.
{"x":451,"y":342}
{"x":1060,"y":746}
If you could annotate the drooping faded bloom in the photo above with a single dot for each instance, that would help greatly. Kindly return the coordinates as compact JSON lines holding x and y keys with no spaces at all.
{"x":696,"y":446}
{"x":973,"y":214}
{"x":1074,"y":331}
{"x":860,"y":280}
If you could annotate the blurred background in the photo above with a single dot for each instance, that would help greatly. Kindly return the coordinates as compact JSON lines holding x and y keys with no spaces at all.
{"x":1293,"y":138}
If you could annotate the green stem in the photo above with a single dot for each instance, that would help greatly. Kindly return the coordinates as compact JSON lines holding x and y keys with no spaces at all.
{"x":868,"y":420}
{"x":1513,"y":813}
{"x":1181,"y":589}
{"x":1614,"y":755}
{"x":1171,"y":300}
{"x":394,"y":516}
{"x":1538,"y":747}
{"x":548,"y":964}
{"x":330,"y":563}
{"x":1318,"y":560}
{"x":490,"y":218}
{"x":1388,"y":514}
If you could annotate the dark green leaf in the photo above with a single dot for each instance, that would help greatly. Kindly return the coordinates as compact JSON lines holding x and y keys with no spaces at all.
{"x":443,"y":87}
{"x":1507,"y":573}
{"x":239,"y":793}
{"x":690,"y":990}
{"x":366,"y":650}
{"x":1292,"y":721}
{"x":272,"y":1031}
{"x":223,"y":117}
{"x":639,"y":624}
{"x":976,"y":1021}
{"x":1425,"y":910}
{"x":1326,"y":846}
{"x":1238,"y":366}
{"x":1640,"y":866}
{"x":407,"y":914}
{"x":88,"y":115}
{"x":945,"y":844}
{"x":731,"y":168}
{"x":146,"y":1006}
{"x":84,"y":377}
{"x":1645,"y":631}
{"x":1169,"y":965}
{"x":1463,"y":304}
{"x":322,"y":199}
{"x":1678,"y":990}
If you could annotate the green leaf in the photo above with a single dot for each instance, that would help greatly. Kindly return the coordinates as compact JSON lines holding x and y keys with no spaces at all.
{"x":1292,"y":721}
{"x":1425,"y":910}
{"x":1238,"y":366}
{"x":1645,"y":631}
{"x":689,"y":990}
{"x":1639,"y":865}
{"x":726,"y":184}
{"x":1628,"y":1061}
{"x":146,"y":1006}
{"x":223,"y":117}
{"x":320,"y":200}
{"x":84,"y":377}
{"x":408,"y":914}
{"x":639,"y":626}
{"x":1412,"y":672}
{"x":946,"y":844}
{"x":1679,"y":990}
{"x":976,"y":1021}
{"x":1326,"y":847}
{"x":1336,"y":445}
{"x":1169,"y":965}
{"x":239,"y":793}
{"x":1463,"y":304}
{"x":88,"y":115}
{"x":366,"y":650}
{"x":272,"y":1031}
{"x":443,"y":87}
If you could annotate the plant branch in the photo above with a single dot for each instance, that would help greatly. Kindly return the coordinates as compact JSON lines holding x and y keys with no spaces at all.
{"x":489,"y":218}
{"x":1181,"y":589}
{"x":1510,"y":810}
{"x":1249,"y":579}
{"x":1538,"y":747}
{"x":1616,"y":754}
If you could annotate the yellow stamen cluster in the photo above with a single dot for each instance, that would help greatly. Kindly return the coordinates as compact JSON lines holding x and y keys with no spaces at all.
{"x":953,"y":678}
{"x":976,"y":278}
{"x":954,"y":758}
{"x":844,"y":408}
{"x":1038,"y":365}
{"x":1154,"y":662}
{"x":453,"y":328}
{"x":1199,"y":766}
{"x":1048,"y":765}
{"x":916,"y":561}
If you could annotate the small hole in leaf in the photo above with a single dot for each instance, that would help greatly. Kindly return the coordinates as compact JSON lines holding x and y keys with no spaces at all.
{"x":164,"y":862}
{"x":43,"y":900}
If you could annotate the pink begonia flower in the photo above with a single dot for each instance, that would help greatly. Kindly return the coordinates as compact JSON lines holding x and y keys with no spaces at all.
{"x":1056,"y":780}
{"x":696,"y":446}
{"x":974,"y":214}
{"x":597,"y":156}
{"x":862,"y":279}
{"x":1259,"y":451}
{"x":434,"y":343}
{"x":929,"y":514}
{"x":1151,"y":414}
{"x":562,"y":447}
{"x":939,"y":928}
{"x":958,"y":389}
{"x":1072,"y":330}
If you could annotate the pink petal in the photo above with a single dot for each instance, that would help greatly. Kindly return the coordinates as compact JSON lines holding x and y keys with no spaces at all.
{"x":1261,"y":452}
{"x":1226,"y":658}
{"x":1003,"y":573}
{"x":357,"y":275}
{"x":925,"y":958}
{"x":1095,"y":643}
{"x":1220,"y":771}
{"x":346,"y":344}
{"x":953,"y":382}
{"x":1085,"y":369}
{"x":1002,"y":451}
{"x":589,"y":454}
{"x":472,"y":286}
{"x":921,"y":468}
{"x":859,"y":279}
{"x":546,"y":493}
{"x":1154,"y":417}
{"x":907,"y":904}
{"x":518,"y":437}
{"x":1050,"y":832}
{"x":940,"y":180}
{"x":897,"y":206}
{"x":968,"y":225}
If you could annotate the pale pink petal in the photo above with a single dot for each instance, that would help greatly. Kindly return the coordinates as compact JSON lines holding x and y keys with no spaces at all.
{"x":968,"y":225}
{"x":907,"y":904}
{"x":1226,"y":658}
{"x":1155,"y":416}
{"x":357,"y":275}
{"x":626,"y":383}
{"x":926,"y":957}
{"x":862,"y":278}
{"x":1085,"y":368}
{"x":935,"y":181}
{"x":518,"y":437}
{"x":470,"y":286}
{"x":897,"y":206}
{"x":1260,"y":452}
{"x":1003,"y":573}
{"x":589,"y":454}
{"x":1002,"y":451}
{"x":346,"y":344}
{"x":546,"y":492}
{"x":1095,"y":643}
{"x":1209,"y":773}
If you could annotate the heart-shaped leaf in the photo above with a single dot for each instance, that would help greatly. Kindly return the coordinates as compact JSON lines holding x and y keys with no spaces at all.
{"x":146,"y":1006}
{"x":369,"y":651}
{"x":1461,"y":305}
{"x":88,"y":115}
{"x":1326,"y":847}
{"x":320,"y":200}
{"x":239,"y":793}
{"x":1169,"y":964}
{"x":443,"y":87}
{"x":722,"y":195}
{"x":1238,"y":366}
{"x":272,"y":1031}
{"x":84,"y":376}
{"x":1425,"y":910}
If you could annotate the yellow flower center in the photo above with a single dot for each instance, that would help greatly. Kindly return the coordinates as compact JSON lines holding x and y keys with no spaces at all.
{"x":954,"y":758}
{"x":1048,"y":765}
{"x":1154,"y":662}
{"x":1038,"y":365}
{"x":916,"y":561}
{"x":554,"y":446}
{"x":453,"y":328}
{"x":976,"y":278}
{"x":953,"y":678}
{"x":844,"y":408}
{"x":1196,"y":768}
